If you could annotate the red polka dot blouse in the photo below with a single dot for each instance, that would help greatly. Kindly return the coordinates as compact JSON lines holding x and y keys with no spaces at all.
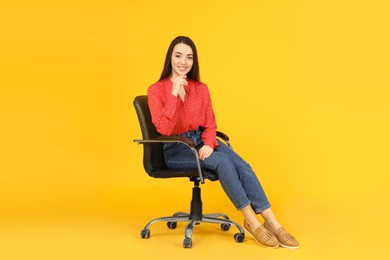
{"x":172,"y":116}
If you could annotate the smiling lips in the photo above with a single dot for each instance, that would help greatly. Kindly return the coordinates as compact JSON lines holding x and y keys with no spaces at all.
{"x":182,"y":68}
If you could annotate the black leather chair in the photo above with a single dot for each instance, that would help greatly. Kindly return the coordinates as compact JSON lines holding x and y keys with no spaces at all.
{"x":154,"y":164}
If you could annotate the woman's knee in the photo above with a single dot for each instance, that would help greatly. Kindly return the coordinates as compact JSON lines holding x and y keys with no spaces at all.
{"x":220,"y":161}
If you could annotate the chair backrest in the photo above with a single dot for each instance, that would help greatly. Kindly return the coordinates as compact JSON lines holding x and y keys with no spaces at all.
{"x":153,"y":153}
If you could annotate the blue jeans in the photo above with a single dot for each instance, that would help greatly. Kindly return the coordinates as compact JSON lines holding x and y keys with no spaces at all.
{"x":235,"y":175}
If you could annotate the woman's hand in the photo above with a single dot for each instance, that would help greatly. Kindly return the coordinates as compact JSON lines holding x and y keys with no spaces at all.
{"x":205,"y":152}
{"x":178,"y":86}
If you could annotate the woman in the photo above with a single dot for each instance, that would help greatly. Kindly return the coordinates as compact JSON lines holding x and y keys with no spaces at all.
{"x":180,"y":105}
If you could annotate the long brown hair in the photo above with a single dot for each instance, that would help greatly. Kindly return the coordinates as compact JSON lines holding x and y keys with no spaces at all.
{"x":167,"y":70}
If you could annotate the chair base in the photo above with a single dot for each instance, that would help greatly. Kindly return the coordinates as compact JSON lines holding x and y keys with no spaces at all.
{"x":194,"y":218}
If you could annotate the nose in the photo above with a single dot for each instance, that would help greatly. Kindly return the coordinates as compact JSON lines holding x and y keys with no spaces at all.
{"x":183,"y":61}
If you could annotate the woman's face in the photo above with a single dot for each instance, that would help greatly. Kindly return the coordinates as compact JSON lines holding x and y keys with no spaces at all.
{"x":181,"y":60}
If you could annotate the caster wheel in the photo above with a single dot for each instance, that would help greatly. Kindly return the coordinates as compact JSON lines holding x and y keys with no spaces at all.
{"x":187,"y":243}
{"x":225,"y":227}
{"x":145,"y":233}
{"x":172,"y":225}
{"x":239,"y":237}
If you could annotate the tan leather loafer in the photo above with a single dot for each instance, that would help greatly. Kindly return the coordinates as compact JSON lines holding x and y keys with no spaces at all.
{"x":262,"y":236}
{"x":285,"y":239}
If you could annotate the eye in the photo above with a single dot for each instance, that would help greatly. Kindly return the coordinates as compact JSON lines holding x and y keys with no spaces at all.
{"x":177,"y":55}
{"x":190,"y":58}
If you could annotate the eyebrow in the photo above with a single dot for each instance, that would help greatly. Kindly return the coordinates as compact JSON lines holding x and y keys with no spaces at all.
{"x":177,"y":52}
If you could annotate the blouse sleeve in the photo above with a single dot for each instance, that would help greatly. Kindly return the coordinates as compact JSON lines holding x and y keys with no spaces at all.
{"x":163,"y":109}
{"x":210,"y":124}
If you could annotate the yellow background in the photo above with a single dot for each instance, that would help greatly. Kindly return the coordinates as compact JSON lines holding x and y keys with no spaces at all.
{"x":301,"y":88}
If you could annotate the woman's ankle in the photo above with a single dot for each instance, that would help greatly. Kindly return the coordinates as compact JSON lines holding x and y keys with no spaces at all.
{"x":274,"y":224}
{"x":253,"y":224}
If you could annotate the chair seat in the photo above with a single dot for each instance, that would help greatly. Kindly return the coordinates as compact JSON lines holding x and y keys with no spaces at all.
{"x":173,"y":173}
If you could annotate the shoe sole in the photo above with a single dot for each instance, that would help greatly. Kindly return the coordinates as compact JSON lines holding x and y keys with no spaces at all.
{"x":288,"y":247}
{"x":259,"y":242}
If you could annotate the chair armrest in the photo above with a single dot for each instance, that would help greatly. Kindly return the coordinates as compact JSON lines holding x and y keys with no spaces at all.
{"x":167,"y":139}
{"x":176,"y":139}
{"x":224,"y":137}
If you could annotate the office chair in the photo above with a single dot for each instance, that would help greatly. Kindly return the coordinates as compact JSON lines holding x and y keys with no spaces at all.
{"x":154,"y":164}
